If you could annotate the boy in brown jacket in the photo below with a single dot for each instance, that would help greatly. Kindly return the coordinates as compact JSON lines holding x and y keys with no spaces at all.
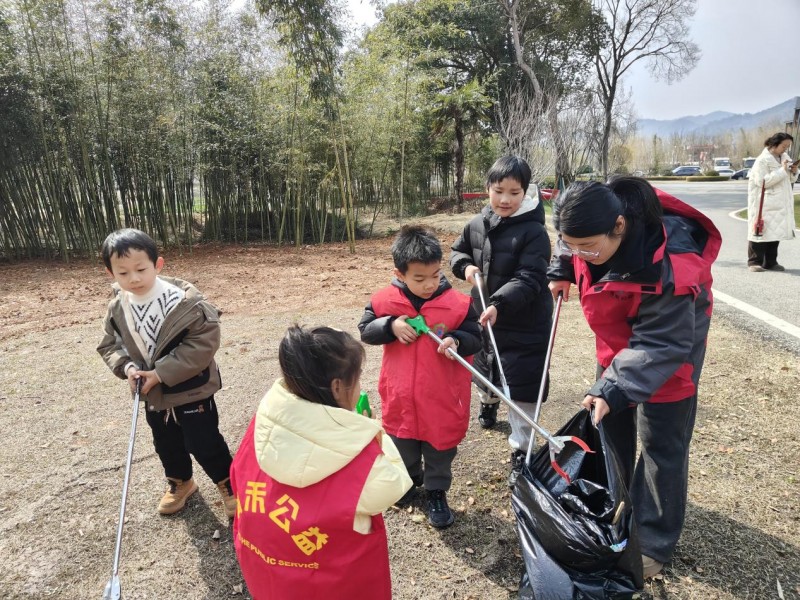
{"x":161,"y":330}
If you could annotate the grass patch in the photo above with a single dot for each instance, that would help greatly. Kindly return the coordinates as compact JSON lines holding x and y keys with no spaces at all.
{"x":743,"y":213}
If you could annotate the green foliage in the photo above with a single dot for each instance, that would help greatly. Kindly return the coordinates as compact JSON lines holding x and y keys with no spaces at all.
{"x":203,"y":121}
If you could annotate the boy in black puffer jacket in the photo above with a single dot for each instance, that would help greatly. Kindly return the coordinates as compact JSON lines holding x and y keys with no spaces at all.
{"x":508,"y":244}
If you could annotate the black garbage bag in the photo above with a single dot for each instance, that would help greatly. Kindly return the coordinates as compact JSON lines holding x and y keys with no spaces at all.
{"x":578,"y":538}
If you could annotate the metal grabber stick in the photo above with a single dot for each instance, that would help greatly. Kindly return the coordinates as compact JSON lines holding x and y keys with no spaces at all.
{"x":503,"y":380}
{"x":113,"y":591}
{"x":543,"y":384}
{"x":556,"y":442}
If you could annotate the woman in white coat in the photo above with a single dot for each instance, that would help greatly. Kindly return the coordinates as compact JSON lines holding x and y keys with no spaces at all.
{"x":775,"y":173}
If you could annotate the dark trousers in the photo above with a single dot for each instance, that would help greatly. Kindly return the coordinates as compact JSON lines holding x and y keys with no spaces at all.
{"x":436,"y":473}
{"x":659,"y":479}
{"x":190,"y":429}
{"x":762,"y":254}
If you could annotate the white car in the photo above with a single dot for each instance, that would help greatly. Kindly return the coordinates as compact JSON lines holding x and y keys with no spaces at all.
{"x":725,"y":172}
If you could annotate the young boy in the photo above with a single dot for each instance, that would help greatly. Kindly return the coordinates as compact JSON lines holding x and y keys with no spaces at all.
{"x":508,"y":244}
{"x":161,"y":330}
{"x":424,"y":396}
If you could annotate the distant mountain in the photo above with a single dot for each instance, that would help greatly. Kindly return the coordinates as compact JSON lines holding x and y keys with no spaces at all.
{"x":717,"y":121}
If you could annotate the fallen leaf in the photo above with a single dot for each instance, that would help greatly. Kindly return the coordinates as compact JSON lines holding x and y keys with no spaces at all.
{"x":238,"y":589}
{"x":215,"y":535}
{"x":470,"y":500}
{"x":469,"y":550}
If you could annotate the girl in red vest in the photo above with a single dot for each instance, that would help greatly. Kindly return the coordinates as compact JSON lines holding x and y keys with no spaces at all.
{"x":312,"y":477}
{"x":641,"y":260}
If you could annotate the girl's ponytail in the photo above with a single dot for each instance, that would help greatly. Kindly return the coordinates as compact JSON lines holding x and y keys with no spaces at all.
{"x":311,"y":359}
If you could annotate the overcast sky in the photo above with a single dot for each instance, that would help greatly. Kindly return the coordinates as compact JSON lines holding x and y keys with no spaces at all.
{"x":750,"y":60}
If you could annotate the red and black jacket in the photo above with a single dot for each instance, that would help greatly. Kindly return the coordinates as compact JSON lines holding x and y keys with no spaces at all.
{"x":651,"y":309}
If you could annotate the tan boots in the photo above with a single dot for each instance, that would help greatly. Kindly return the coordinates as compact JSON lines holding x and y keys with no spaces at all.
{"x":176,"y":495}
{"x":179,"y":491}
{"x":228,"y":499}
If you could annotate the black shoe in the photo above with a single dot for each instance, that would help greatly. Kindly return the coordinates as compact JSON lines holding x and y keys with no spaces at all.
{"x":776,"y":267}
{"x":411,"y":494}
{"x":517,"y":462}
{"x":439,"y":513}
{"x":488,"y":416}
{"x":407,"y":499}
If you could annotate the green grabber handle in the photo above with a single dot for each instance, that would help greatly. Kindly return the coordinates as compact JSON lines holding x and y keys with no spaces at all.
{"x":419,"y":325}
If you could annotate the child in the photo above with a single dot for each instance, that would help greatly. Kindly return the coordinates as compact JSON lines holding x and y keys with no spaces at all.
{"x":642,"y":262}
{"x":508,"y":244}
{"x":312,"y":478}
{"x":161,"y":330}
{"x":424,"y":397}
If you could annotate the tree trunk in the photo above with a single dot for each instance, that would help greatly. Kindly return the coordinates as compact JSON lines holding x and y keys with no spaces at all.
{"x":459,"y":160}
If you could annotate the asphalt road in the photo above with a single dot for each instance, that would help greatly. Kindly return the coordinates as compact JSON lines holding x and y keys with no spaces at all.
{"x":776,"y":293}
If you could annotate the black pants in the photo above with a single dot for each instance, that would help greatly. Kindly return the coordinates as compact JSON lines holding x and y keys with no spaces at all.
{"x":437,"y":473}
{"x":190,"y":429}
{"x":659,"y":479}
{"x":762,"y":254}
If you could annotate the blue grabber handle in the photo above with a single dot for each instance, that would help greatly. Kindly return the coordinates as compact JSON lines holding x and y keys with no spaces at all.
{"x":419,"y":325}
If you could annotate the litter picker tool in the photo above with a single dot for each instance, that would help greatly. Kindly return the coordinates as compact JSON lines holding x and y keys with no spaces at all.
{"x":758,"y":228}
{"x":113,"y":591}
{"x":543,"y":384}
{"x":503,"y":380}
{"x":556,"y":442}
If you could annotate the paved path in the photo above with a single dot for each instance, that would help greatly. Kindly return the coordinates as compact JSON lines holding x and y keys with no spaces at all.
{"x":776,"y":295}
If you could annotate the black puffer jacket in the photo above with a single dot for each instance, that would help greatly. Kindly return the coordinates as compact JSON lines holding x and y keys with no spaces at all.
{"x":513,"y":254}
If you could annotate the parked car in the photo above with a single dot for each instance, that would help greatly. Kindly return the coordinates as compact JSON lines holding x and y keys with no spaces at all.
{"x":725,"y":172}
{"x":741,"y":174}
{"x":686,"y":171}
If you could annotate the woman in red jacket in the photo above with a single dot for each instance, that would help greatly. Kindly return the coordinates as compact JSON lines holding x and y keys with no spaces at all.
{"x":641,"y":260}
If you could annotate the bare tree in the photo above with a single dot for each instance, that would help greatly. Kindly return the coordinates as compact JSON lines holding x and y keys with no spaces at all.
{"x":526,"y":125}
{"x":525,"y":128}
{"x":655,"y":31}
{"x":552,"y":42}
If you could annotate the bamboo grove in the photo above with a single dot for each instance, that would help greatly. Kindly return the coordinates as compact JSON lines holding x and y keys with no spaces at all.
{"x":192,"y":121}
{"x":276,"y":120}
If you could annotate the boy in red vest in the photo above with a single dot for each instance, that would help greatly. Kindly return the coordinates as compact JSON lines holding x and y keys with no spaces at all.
{"x":424,"y":397}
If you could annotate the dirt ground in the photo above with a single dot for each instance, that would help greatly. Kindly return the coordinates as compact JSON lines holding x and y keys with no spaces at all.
{"x":65,"y":426}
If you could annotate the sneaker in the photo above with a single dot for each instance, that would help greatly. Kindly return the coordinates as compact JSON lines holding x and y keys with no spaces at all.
{"x":411,"y":494}
{"x":650,"y":567}
{"x":488,"y":415}
{"x":517,"y":462}
{"x":756,"y":268}
{"x":228,"y":499}
{"x":176,"y":495}
{"x":776,"y":267}
{"x":439,"y":513}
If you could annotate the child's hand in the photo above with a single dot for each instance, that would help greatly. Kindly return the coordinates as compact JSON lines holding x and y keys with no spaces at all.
{"x":403,"y":331}
{"x":488,"y":316}
{"x":448,"y":342}
{"x":469,"y":273}
{"x":379,"y":438}
{"x":559,"y":286}
{"x":149,"y":379}
{"x":132,"y":377}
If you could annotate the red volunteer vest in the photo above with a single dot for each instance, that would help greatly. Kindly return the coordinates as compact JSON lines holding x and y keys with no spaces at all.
{"x":424,"y":395}
{"x":611,"y":307}
{"x":299,"y":542}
